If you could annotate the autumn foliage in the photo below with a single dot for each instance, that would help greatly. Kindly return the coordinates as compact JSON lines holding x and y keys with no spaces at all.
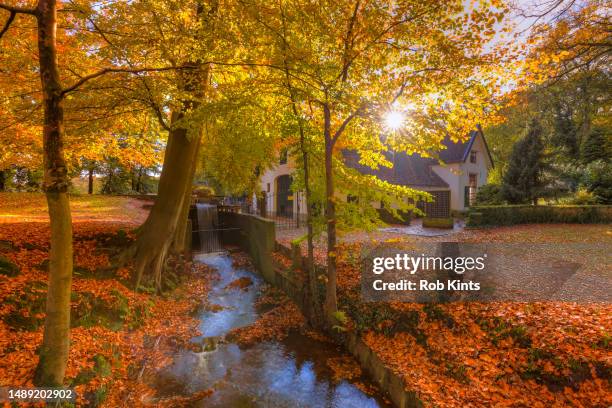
{"x":119,"y":337}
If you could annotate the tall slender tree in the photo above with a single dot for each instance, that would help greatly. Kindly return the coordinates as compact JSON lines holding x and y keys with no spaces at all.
{"x":53,"y":354}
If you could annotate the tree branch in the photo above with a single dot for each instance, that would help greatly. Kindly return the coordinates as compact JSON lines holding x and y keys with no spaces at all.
{"x":105,"y":71}
{"x":8,"y":23}
{"x":16,"y":9}
{"x":345,"y":124}
{"x":13,"y":10}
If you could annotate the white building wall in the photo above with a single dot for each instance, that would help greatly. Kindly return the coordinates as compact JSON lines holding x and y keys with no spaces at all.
{"x":450,"y":173}
{"x":457,"y":175}
{"x":268,"y":186}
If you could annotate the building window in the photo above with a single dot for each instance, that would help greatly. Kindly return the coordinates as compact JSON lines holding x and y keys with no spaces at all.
{"x":473,"y":180}
{"x":472,"y":157}
{"x":283,"y":157}
{"x":268,"y":187}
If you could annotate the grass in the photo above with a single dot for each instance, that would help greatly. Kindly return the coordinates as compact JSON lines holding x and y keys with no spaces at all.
{"x":32,"y":207}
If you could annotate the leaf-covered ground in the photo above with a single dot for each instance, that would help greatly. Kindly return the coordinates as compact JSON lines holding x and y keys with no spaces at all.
{"x":537,"y":233}
{"x":487,"y":354}
{"x":118,"y":336}
{"x":456,"y":355}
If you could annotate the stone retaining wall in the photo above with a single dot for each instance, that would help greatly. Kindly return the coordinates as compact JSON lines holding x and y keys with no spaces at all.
{"x":253,"y":234}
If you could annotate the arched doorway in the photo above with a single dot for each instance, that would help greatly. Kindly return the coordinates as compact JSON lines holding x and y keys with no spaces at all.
{"x":284,"y":197}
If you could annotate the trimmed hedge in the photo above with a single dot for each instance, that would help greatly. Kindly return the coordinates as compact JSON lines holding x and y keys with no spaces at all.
{"x":429,"y":222}
{"x":540,"y":214}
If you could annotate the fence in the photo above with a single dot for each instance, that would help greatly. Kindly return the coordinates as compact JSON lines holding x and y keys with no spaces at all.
{"x":287,"y":209}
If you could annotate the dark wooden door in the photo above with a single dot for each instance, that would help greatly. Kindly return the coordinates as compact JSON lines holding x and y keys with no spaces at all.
{"x":284,"y":202}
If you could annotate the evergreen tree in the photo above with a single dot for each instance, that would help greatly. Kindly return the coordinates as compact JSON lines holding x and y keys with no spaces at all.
{"x":564,"y":131}
{"x":598,"y":180}
{"x":594,"y":147}
{"x":522,"y":182}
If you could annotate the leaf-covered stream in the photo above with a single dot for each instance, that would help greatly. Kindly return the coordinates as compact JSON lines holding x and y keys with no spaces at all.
{"x":288,"y":373}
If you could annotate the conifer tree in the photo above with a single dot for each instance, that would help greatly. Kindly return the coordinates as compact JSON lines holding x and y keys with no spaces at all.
{"x":594,"y":147}
{"x":565,"y":131}
{"x":522,"y":182}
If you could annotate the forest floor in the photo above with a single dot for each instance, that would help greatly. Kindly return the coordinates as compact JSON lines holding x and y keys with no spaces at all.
{"x":117,"y":335}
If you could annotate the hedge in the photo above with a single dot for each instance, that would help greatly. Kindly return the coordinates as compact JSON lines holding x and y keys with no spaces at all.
{"x":540,"y":214}
{"x":429,"y":222}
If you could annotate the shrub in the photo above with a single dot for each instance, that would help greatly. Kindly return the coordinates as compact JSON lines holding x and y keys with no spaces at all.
{"x":489,"y":194}
{"x":438,"y":222}
{"x":528,"y":214}
{"x":583,"y":197}
{"x":597,"y":179}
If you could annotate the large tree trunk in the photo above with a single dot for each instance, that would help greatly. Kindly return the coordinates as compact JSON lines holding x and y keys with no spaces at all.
{"x":331,"y":304}
{"x":157,"y":233}
{"x":53,"y":354}
{"x":180,"y":241}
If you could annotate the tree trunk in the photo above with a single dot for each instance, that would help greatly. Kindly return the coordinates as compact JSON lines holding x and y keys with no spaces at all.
{"x":585,"y":126}
{"x":53,"y":354}
{"x":180,"y":244}
{"x":312,"y":276}
{"x":108,"y":184}
{"x":133,"y":179}
{"x":90,"y":180}
{"x":2,"y":180}
{"x":331,"y":304}
{"x":157,"y":233}
{"x":139,"y":180}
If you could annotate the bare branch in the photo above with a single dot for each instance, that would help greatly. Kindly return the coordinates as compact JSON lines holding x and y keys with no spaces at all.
{"x":105,"y":71}
{"x":349,"y":42}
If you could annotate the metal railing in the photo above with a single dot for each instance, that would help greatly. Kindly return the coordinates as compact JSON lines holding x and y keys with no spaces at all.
{"x":206,"y":241}
{"x":287,"y":215}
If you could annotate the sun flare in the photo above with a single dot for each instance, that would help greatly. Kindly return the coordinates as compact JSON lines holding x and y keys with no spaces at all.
{"x":394,"y":120}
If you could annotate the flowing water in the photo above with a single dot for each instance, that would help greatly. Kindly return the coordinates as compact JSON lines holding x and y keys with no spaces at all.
{"x":208,"y":224}
{"x":291,"y":373}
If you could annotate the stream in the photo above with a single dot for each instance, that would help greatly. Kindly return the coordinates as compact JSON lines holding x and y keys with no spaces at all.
{"x":289,"y":373}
